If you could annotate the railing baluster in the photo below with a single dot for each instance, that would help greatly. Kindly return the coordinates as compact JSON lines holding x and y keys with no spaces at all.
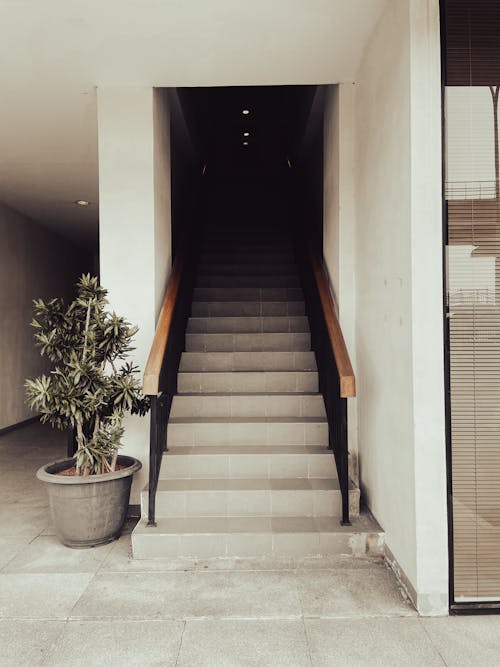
{"x":343,"y":450}
{"x":331,"y":354}
{"x":153,"y":461}
{"x":160,"y":376}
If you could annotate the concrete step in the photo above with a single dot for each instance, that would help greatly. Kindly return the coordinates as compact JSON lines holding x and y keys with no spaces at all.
{"x":250,"y":537}
{"x":248,"y":342}
{"x":234,"y":268}
{"x":248,"y":405}
{"x":248,"y":382}
{"x":267,"y":324}
{"x":250,"y":497}
{"x":244,"y":257}
{"x":248,"y":294}
{"x":247,"y":308}
{"x":198,"y":362}
{"x":191,"y":432}
{"x":205,"y":280}
{"x":229,"y":246}
{"x":239,"y":461}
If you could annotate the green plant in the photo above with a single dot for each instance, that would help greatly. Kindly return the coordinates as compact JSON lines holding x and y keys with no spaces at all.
{"x":91,"y":386}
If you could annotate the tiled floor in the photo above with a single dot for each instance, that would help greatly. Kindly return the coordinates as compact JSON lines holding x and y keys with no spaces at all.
{"x":99,"y":607}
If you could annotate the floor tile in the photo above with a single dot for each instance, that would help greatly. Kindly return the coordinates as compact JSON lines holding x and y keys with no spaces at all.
{"x":33,"y":596}
{"x":273,"y":643}
{"x":47,"y":554}
{"x":466,"y":641}
{"x":27,"y":643}
{"x":351,"y":593}
{"x":374,"y":642}
{"x":190,"y":595}
{"x":117,"y":644}
{"x":22,"y":519}
{"x":10,"y":546}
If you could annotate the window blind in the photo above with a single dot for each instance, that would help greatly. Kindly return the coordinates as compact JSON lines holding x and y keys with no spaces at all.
{"x":472,"y":192}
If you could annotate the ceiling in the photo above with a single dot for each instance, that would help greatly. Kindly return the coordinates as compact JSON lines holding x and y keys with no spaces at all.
{"x":55,"y":53}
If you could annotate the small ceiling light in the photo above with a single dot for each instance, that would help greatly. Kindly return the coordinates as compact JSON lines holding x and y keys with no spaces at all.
{"x":82,"y":202}
{"x":246,"y":134}
{"x":245,"y":143}
{"x":245,"y":112}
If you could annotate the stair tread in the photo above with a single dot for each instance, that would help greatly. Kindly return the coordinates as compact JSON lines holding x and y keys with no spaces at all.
{"x":248,"y":484}
{"x":244,"y":361}
{"x":248,"y":294}
{"x":249,"y":318}
{"x":249,"y":372}
{"x":247,"y":420}
{"x":299,"y":394}
{"x":248,"y":308}
{"x":248,"y":280}
{"x":273,"y":450}
{"x":290,"y":524}
{"x":238,"y":324}
{"x":250,"y":335}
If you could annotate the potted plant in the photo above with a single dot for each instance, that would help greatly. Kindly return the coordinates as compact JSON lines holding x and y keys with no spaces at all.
{"x":89,"y":390}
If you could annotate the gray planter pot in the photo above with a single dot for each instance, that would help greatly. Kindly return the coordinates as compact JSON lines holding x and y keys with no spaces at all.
{"x":87,"y":511}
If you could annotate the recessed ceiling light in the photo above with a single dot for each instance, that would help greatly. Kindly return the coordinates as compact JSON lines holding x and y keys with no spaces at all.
{"x":245,"y":112}
{"x":246,"y":134}
{"x":245,"y":143}
{"x":82,"y":202}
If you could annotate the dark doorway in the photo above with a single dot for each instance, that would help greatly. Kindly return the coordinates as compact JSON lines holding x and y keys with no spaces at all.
{"x":250,"y":147}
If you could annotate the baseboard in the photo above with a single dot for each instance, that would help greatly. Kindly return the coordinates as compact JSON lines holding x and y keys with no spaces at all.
{"x":427,"y":604}
{"x":14,"y":427}
{"x":403,"y":580}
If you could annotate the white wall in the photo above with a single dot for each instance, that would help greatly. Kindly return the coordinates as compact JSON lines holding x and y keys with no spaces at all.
{"x":34,"y":263}
{"x":398,"y":294}
{"x":339,"y":224}
{"x":134,"y":211}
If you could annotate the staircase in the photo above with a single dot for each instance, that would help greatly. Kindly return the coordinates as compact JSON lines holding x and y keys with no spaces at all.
{"x":248,"y":470}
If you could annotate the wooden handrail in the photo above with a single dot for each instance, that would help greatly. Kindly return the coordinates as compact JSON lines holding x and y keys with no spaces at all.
{"x":347,"y":380}
{"x":151,"y":379}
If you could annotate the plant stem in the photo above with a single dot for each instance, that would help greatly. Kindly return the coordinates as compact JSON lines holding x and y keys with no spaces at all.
{"x":87,"y":324}
{"x":80,"y":442}
{"x":96,"y":426}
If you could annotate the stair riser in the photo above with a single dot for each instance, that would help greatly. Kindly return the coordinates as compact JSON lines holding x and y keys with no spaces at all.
{"x":248,"y":281}
{"x":173,"y":504}
{"x":247,"y":361}
{"x":250,"y":255}
{"x":268,"y":268}
{"x":247,"y":246}
{"x":247,"y":406}
{"x":248,"y":545}
{"x":248,"y":294}
{"x":252,"y":433}
{"x":244,"y":342}
{"x":247,"y":466}
{"x":247,"y":382}
{"x":248,"y":325}
{"x":247,"y":308}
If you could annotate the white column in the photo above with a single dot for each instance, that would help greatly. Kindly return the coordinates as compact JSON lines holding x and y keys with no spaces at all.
{"x":134,"y":223}
{"x":399,"y":319}
{"x":427,"y":310}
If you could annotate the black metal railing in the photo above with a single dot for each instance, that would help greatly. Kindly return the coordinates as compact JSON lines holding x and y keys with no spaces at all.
{"x":330,"y":384}
{"x":161,"y":402}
